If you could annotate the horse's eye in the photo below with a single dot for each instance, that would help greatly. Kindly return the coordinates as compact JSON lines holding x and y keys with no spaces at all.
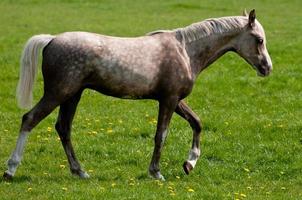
{"x":260,"y":40}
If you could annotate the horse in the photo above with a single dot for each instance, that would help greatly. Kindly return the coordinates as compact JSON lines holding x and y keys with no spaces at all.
{"x":162,"y":66}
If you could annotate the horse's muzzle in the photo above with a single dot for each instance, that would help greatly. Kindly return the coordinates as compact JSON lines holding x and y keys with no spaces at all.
{"x":263,"y":70}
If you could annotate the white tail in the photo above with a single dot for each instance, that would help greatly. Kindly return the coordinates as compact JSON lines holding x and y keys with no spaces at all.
{"x":28,"y":68}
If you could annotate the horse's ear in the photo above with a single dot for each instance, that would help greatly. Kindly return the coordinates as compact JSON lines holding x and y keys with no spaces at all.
{"x":244,"y":13}
{"x":252,"y":17}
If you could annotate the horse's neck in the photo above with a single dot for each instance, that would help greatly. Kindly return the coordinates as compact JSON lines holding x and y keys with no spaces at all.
{"x":208,"y":40}
{"x":205,"y":51}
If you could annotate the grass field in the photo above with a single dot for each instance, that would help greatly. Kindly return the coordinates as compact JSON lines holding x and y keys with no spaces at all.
{"x":252,"y":127}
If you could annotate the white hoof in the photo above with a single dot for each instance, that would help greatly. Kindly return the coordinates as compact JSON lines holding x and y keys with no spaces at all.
{"x":81,"y":174}
{"x":158,"y":176}
{"x":84,"y":175}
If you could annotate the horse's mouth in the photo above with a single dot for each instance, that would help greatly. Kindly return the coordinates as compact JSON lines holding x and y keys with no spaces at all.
{"x":263,"y":70}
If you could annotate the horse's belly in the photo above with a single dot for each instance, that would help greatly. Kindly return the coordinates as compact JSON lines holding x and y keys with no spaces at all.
{"x":125,"y":81}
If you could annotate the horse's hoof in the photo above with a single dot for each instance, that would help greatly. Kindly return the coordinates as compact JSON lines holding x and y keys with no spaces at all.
{"x":7,"y":176}
{"x":187,"y":167}
{"x":161,"y":178}
{"x":84,"y":175}
{"x":81,"y":174}
{"x":157,"y":176}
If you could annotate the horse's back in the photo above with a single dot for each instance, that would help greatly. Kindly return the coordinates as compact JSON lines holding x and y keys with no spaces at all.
{"x":123,"y":67}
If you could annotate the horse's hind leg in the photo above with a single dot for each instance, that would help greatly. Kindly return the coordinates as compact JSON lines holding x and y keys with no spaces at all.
{"x":63,"y":127}
{"x":185,"y":112}
{"x":45,"y":106}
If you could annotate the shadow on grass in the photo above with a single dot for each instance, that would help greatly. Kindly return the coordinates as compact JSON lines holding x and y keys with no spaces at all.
{"x":17,"y":179}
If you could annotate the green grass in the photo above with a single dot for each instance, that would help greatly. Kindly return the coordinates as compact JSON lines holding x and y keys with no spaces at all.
{"x":252,"y":127}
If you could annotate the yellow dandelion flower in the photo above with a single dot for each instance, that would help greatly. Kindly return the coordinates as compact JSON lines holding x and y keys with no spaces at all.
{"x":94,"y":132}
{"x":190,"y":190}
{"x":159,"y":183}
{"x":172,"y":193}
{"x":246,"y":169}
{"x":64,"y":188}
{"x":153,"y":120}
{"x":113,"y":184}
{"x":109,"y":130}
{"x":243,"y":195}
{"x":62,"y":166}
{"x":29,"y":189}
{"x":49,"y":129}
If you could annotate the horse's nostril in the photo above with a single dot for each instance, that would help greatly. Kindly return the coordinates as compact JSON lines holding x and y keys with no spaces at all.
{"x":264,"y":62}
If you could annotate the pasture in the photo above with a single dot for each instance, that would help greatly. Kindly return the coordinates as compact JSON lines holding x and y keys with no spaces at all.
{"x":252,"y":126}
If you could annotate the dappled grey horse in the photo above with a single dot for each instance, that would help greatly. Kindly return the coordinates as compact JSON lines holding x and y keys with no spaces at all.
{"x":162,"y":65}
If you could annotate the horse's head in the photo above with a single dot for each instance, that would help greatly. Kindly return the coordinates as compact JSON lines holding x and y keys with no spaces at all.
{"x":251,"y":45}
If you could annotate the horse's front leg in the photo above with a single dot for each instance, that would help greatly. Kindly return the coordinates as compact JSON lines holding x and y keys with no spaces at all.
{"x":166,"y":109}
{"x":185,"y":112}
